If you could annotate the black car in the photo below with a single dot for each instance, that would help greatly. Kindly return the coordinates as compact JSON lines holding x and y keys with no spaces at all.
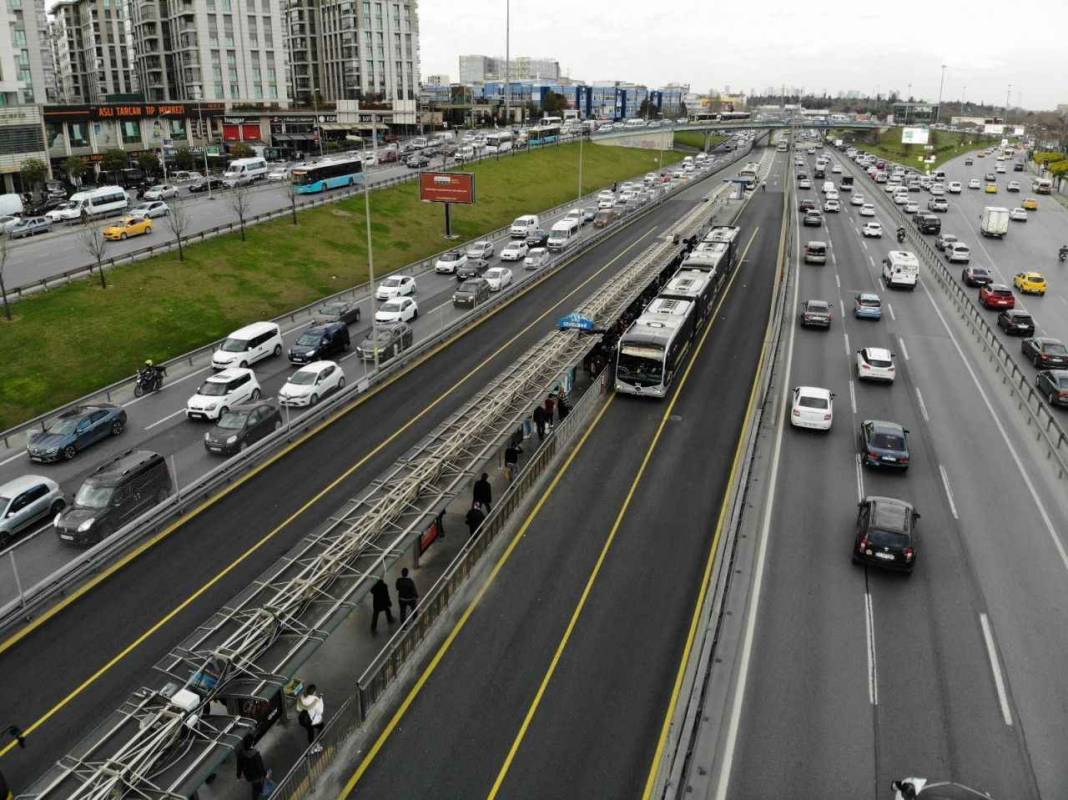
{"x":537,"y":238}
{"x":1045,"y":352}
{"x":1016,"y":322}
{"x":815,"y":314}
{"x":968,"y":162}
{"x":346,"y":311}
{"x":75,"y":430}
{"x":114,"y":493}
{"x":392,"y":339}
{"x":1053,"y":383}
{"x":417,"y":162}
{"x":202,"y":184}
{"x":474,"y":268}
{"x":807,"y":205}
{"x":976,"y":276}
{"x":319,"y":342}
{"x":883,"y":444}
{"x":928,"y":223}
{"x":471,"y":292}
{"x":885,"y":533}
{"x":241,"y":426}
{"x":1017,"y":167}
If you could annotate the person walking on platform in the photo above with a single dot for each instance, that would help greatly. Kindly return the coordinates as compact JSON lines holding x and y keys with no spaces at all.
{"x":562,"y":408}
{"x":511,"y":460}
{"x":539,"y":421}
{"x":550,"y":407}
{"x":483,"y":492}
{"x":474,"y":519}
{"x":310,"y":715}
{"x":380,"y":602}
{"x":407,"y":595}
{"x":250,"y":766}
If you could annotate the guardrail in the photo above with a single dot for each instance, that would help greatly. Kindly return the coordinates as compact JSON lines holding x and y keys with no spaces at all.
{"x":1048,"y":427}
{"x":33,"y":599}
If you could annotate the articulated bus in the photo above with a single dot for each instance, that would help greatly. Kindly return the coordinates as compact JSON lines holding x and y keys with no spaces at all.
{"x":653,"y":347}
{"x":543,"y":134}
{"x":716,"y":253}
{"x":331,"y":173}
{"x":696,"y":285}
{"x":498,"y":142}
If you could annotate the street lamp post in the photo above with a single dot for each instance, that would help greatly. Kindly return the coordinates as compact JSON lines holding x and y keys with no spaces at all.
{"x":204,"y":146}
{"x":507,"y":63}
{"x":370,"y":247}
{"x":941,"y":85}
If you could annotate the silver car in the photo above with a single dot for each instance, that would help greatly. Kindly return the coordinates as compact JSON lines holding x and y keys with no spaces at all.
{"x":480,"y":249}
{"x":26,"y":501}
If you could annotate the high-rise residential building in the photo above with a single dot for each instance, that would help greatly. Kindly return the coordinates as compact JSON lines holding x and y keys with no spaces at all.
{"x":93,"y":50}
{"x":479,"y":69}
{"x":210,"y":50}
{"x":436,"y":80}
{"x":27,"y":71}
{"x":353,"y":50}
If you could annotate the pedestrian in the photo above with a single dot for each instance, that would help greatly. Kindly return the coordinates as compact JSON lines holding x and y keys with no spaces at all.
{"x":511,"y":460}
{"x":310,"y":715}
{"x":562,"y":408}
{"x":250,"y":766}
{"x":539,"y":422}
{"x":474,"y":519}
{"x":380,"y":602}
{"x":483,"y":492}
{"x":763,"y":186}
{"x":550,"y":407}
{"x":407,"y":595}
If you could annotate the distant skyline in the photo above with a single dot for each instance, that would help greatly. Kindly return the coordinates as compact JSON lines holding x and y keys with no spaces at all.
{"x":833,"y":46}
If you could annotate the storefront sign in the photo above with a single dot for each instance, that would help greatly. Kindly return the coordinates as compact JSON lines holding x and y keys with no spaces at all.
{"x":133,"y":111}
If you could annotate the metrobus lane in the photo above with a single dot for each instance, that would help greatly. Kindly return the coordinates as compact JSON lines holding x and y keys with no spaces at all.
{"x":555,"y":684}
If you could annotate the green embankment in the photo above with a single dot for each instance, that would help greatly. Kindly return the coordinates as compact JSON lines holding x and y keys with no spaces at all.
{"x":887,"y":144}
{"x":695,"y":140}
{"x":67,"y":342}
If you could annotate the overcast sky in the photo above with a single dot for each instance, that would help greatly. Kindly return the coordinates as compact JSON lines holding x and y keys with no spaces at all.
{"x":831,"y":45}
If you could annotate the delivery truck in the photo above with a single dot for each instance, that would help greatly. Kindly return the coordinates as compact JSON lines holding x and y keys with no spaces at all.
{"x":994,"y":221}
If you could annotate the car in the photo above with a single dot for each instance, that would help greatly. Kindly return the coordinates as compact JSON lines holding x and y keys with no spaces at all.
{"x":221,"y":391}
{"x":883,"y":444}
{"x":867,"y":210}
{"x":837,"y":169}
{"x":127,"y":227}
{"x":1018,"y":167}
{"x":1012,"y":186}
{"x":832,"y":205}
{"x":804,"y":183}
{"x":976,"y":276}
{"x":29,"y":226}
{"x":1030,"y":204}
{"x":606,"y":202}
{"x":938,"y":190}
{"x":498,"y":278}
{"x":857,"y":200}
{"x":338,"y":310}
{"x":319,"y":341}
{"x":69,"y":433}
{"x":515,"y":250}
{"x":944,"y":240}
{"x":537,"y":257}
{"x":911,"y":207}
{"x":812,"y":407}
{"x":1016,"y":322}
{"x":246,"y":424}
{"x":927,"y":223}
{"x":867,"y":305}
{"x":396,"y":286}
{"x":151,"y":209}
{"x":1045,"y":352}
{"x":590,"y":212}
{"x":938,"y":204}
{"x":991,"y":188}
{"x":996,"y":295}
{"x":480,"y":249}
{"x":901,"y":198}
{"x":447,"y":263}
{"x":975,"y":183}
{"x":954,"y":187}
{"x":1000,"y":169}
{"x":876,"y":364}
{"x":474,"y":268}
{"x":1018,"y":214}
{"x":958,"y":253}
{"x":311,"y":383}
{"x":7,"y":222}
{"x":807,"y":205}
{"x":399,"y":309}
{"x":26,"y":501}
{"x":204,"y":184}
{"x":885,"y":533}
{"x":872,"y":230}
{"x":812,"y":218}
{"x":417,"y":161}
{"x":162,"y":191}
{"x":814,"y":314}
{"x":278,"y":173}
{"x":391,"y":340}
{"x":1053,"y":384}
{"x":1030,"y":282}
{"x":537,"y":238}
{"x":471,"y":292}
{"x":968,"y":162}
{"x":990,"y":177}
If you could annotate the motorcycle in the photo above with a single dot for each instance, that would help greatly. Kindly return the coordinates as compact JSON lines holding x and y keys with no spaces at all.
{"x":149,"y":379}
{"x":900,"y":234}
{"x":1062,"y":254}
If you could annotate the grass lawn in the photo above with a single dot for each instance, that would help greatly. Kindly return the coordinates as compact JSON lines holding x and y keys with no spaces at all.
{"x":67,"y":342}
{"x":887,"y":144}
{"x":695,"y":139}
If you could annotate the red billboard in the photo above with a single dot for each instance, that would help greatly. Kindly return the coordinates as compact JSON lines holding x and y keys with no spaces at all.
{"x":447,"y":187}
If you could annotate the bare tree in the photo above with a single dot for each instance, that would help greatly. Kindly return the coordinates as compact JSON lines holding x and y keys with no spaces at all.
{"x":3,"y":263}
{"x":178,"y":222}
{"x":293,"y":201}
{"x":94,"y":243}
{"x":239,"y":201}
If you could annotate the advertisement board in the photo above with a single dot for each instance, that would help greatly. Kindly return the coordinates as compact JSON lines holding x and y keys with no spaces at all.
{"x":915,"y":135}
{"x":447,"y":187}
{"x":997,"y":130}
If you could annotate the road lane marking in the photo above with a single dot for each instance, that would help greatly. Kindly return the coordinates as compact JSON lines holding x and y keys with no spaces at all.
{"x":837,"y":280}
{"x":890,"y":308}
{"x":12,"y":458}
{"x":161,"y":421}
{"x":852,"y":397}
{"x":873,"y":667}
{"x":865,"y":243}
{"x":841,"y":306}
{"x":849,"y":352}
{"x":860,"y":478}
{"x":995,"y":667}
{"x":923,"y":405}
{"x":871,"y":261}
{"x":949,"y":491}
{"x":904,"y":350}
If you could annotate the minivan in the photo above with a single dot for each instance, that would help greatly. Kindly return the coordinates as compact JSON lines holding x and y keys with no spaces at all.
{"x":816,"y":253}
{"x":561,"y":234}
{"x":114,"y":493}
{"x":605,"y":217}
{"x":243,"y":171}
{"x":248,"y":345}
{"x":524,"y":225}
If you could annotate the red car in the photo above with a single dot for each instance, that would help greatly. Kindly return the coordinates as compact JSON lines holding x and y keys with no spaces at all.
{"x":996,"y":295}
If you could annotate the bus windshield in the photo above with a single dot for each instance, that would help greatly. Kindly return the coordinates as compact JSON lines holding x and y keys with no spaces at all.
{"x":639,"y":370}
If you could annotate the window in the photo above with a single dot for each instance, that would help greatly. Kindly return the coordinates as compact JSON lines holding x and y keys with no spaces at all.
{"x":18,"y":38}
{"x":131,"y":132}
{"x":218,"y":89}
{"x":234,"y":91}
{"x":268,"y":37}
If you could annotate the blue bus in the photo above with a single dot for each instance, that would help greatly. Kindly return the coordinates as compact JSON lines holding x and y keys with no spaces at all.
{"x":329,"y":174}
{"x":543,"y":134}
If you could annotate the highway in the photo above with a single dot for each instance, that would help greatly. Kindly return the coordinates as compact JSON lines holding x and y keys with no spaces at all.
{"x":121,"y":627}
{"x":858,"y":676}
{"x":557,"y":684}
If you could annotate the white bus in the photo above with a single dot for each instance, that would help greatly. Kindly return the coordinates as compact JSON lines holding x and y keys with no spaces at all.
{"x":498,"y":142}
{"x":243,"y":171}
{"x":652,"y":349}
{"x":547,"y":120}
{"x":749,"y":171}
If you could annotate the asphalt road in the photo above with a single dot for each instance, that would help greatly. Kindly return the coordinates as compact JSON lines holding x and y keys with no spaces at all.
{"x":605,"y":578}
{"x":87,"y":658}
{"x":858,"y":676}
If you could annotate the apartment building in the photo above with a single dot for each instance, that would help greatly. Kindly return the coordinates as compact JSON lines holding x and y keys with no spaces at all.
{"x":93,"y":50}
{"x":27,"y":70}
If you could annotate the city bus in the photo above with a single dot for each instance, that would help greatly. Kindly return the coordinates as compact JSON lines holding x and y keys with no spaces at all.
{"x":716,"y":253}
{"x":330,"y":173}
{"x":543,"y":134}
{"x":749,"y":171}
{"x":1042,"y":186}
{"x":547,"y":120}
{"x":696,"y":285}
{"x":651,"y":351}
{"x":498,"y":142}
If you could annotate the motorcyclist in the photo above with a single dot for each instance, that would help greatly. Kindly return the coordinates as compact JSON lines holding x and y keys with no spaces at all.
{"x":1063,"y":252}
{"x":901,"y":233}
{"x":151,"y":375}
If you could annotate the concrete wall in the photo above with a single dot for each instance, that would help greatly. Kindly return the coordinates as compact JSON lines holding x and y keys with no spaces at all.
{"x":646,"y":140}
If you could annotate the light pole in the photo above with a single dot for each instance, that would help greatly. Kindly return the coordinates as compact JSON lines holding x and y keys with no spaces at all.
{"x":941,"y":85}
{"x":1008,"y":99}
{"x":204,"y":146}
{"x":581,"y":137}
{"x":507,"y":63}
{"x":370,"y":248}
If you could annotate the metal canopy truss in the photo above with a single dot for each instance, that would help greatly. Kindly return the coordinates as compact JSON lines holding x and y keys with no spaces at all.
{"x":252,"y":647}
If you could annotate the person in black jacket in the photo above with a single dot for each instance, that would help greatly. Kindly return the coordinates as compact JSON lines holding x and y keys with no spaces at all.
{"x":483,"y":492}
{"x":474,"y":519}
{"x":539,"y":421}
{"x":380,"y":601}
{"x":250,"y":766}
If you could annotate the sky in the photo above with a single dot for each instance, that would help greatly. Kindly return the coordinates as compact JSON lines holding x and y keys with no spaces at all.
{"x":832,"y":45}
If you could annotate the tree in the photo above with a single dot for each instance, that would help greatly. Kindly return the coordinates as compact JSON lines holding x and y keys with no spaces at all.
{"x":554,"y":104}
{"x":75,"y":167}
{"x":184,"y":158}
{"x":3,"y":263}
{"x":34,"y":173}
{"x":242,"y":150}
{"x":178,"y":221}
{"x":148,"y":163}
{"x":293,"y":200}
{"x":239,"y":198}
{"x":94,"y":243}
{"x":683,"y":111}
{"x":114,"y":160}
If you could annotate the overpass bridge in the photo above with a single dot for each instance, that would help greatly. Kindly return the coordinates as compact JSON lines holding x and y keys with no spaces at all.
{"x":662,"y":136}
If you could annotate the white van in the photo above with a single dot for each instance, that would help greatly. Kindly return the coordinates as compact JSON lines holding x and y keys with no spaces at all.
{"x":102,"y":202}
{"x":243,"y":171}
{"x":250,"y":344}
{"x":524,"y":226}
{"x":11,"y":205}
{"x":561,"y":234}
{"x":828,"y":186}
{"x":901,"y":269}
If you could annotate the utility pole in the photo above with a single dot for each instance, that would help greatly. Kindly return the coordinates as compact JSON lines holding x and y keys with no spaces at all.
{"x":204,"y":146}
{"x":370,"y":248}
{"x":941,"y":85}
{"x":507,"y":62}
{"x":1008,"y":99}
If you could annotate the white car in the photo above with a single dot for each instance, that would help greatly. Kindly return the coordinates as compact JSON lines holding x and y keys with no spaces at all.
{"x":153,"y":209}
{"x":832,"y":205}
{"x":498,"y":278}
{"x":804,"y":183}
{"x":399,"y":309}
{"x":911,"y":207}
{"x":856,"y":200}
{"x":448,"y":263}
{"x":1018,"y":214}
{"x":480,"y":249}
{"x":280,"y":173}
{"x":515,"y":250}
{"x":975,"y":183}
{"x":958,"y":253}
{"x":606,"y":194}
{"x":1000,"y":168}
{"x":872,"y":230}
{"x":875,"y":364}
{"x":837,"y":169}
{"x":901,"y":198}
{"x":831,"y":195}
{"x":1013,"y":186}
{"x":938,"y":190}
{"x":536,"y":258}
{"x":812,"y":407}
{"x":161,"y":192}
{"x":606,"y":202}
{"x":222,"y":391}
{"x":395,"y":286}
{"x":311,"y":383}
{"x":954,"y":187}
{"x":867,"y":210}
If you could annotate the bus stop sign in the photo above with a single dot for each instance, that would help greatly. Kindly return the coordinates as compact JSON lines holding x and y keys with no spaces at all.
{"x":576,"y":322}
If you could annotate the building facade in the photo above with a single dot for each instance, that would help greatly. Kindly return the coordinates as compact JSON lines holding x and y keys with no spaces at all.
{"x":93,"y":50}
{"x":479,"y":69}
{"x":27,"y":70}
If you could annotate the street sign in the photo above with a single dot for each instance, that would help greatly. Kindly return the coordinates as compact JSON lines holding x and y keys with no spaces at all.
{"x":576,"y":322}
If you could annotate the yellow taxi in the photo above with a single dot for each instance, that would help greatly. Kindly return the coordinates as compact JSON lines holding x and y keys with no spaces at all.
{"x":127,"y":227}
{"x":1031,"y":204}
{"x":1030,"y":282}
{"x":991,"y":188}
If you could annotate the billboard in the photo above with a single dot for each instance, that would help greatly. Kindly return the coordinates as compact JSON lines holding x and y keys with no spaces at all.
{"x":447,"y":187}
{"x":915,"y":135}
{"x":994,"y":129}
